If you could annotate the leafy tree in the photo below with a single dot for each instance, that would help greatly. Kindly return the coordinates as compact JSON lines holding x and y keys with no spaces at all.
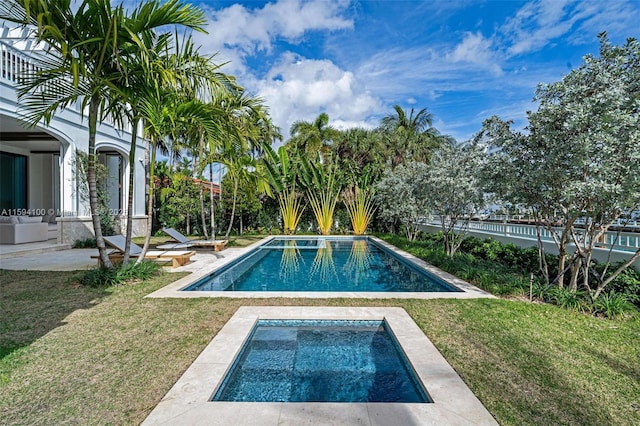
{"x":453,"y":191}
{"x":579,"y":161}
{"x":400,"y":196}
{"x":180,"y":202}
{"x":247,"y":201}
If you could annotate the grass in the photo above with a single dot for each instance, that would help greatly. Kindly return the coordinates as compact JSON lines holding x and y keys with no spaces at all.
{"x":74,"y":354}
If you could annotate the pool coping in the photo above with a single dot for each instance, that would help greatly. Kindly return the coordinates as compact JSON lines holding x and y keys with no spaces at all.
{"x":175,"y":289}
{"x":188,"y":402}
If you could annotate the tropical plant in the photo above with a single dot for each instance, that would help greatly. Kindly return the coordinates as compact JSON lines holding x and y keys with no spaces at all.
{"x":612,"y":305}
{"x":409,"y":137}
{"x":282,"y":179}
{"x":360,"y":206}
{"x":322,"y":192}
{"x":91,"y":46}
{"x":565,"y":298}
{"x":179,"y":202}
{"x":313,"y":138}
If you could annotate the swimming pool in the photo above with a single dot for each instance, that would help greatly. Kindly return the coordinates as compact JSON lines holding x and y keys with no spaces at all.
{"x":321,"y":264}
{"x":321,"y":361}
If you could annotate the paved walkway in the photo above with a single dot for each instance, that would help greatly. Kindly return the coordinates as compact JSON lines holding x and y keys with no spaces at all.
{"x":62,"y":260}
{"x":80,"y":259}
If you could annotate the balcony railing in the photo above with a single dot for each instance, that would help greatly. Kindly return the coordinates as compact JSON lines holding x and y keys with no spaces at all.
{"x":624,"y":241}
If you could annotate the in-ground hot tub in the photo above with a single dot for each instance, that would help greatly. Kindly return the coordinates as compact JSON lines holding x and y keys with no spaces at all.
{"x":321,"y":361}
{"x":191,"y":399}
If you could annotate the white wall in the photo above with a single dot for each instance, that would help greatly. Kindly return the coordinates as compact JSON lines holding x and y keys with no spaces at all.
{"x":40,"y":181}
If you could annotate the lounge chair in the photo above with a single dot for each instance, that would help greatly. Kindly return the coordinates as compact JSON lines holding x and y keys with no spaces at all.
{"x":178,"y":258}
{"x":184,"y":242}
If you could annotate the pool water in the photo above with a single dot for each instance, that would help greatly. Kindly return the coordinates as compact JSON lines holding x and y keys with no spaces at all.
{"x":321,"y":265}
{"x":321,"y":361}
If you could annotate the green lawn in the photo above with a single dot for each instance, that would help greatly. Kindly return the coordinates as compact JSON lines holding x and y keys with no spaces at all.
{"x":71,"y":354}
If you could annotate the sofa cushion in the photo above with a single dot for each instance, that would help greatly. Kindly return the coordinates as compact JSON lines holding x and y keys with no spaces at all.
{"x":13,"y":220}
{"x":29,"y":219}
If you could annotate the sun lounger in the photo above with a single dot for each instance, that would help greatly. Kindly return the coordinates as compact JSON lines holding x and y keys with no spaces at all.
{"x":184,"y":242}
{"x":178,"y":258}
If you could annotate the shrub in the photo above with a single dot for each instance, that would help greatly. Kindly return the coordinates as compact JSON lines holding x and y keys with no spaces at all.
{"x":627,"y":284}
{"x":86,"y":243}
{"x":568,"y":299}
{"x":106,"y":277}
{"x":611,"y":305}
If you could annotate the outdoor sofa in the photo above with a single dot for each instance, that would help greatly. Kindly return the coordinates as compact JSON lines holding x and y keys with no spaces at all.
{"x":23,"y":229}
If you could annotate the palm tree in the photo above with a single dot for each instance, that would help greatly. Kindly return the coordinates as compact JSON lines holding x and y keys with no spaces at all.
{"x":249,"y":129}
{"x":165,"y":100}
{"x":358,"y":153}
{"x":409,"y":136}
{"x":313,"y":138}
{"x":411,"y":123}
{"x":90,"y":47}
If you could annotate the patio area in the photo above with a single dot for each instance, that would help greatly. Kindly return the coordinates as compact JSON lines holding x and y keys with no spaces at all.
{"x":50,"y":256}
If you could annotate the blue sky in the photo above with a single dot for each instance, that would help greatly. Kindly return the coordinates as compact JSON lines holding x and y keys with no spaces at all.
{"x":462,"y":60}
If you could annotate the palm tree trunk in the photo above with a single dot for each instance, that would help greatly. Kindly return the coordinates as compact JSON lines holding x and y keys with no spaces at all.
{"x":91,"y":180}
{"x":233,"y":208}
{"x":211,"y":204}
{"x":152,"y":170}
{"x":132,"y":170}
{"x":200,"y":194}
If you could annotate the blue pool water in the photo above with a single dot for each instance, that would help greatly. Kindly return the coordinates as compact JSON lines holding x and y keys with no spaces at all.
{"x":321,"y":361}
{"x":321,"y":265}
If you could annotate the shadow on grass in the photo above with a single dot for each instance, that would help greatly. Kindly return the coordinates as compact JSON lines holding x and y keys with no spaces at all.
{"x":33,"y":303}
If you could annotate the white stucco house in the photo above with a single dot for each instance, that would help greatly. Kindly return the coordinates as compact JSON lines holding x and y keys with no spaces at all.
{"x":37,"y":174}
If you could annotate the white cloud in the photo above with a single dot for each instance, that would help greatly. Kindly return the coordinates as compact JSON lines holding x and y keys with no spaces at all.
{"x":538,"y":23}
{"x":249,"y":31}
{"x":297,"y":88}
{"x":475,"y":49}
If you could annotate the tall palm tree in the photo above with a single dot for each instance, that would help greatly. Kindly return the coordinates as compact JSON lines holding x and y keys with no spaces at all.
{"x":414,"y":123}
{"x":89,"y":46}
{"x":313,"y":138}
{"x":165,"y":99}
{"x":409,"y":136}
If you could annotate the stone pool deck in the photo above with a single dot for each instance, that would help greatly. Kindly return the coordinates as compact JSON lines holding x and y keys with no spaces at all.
{"x":189,"y":400}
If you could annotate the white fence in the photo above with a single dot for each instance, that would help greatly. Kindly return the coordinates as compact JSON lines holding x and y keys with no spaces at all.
{"x":614,"y":245}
